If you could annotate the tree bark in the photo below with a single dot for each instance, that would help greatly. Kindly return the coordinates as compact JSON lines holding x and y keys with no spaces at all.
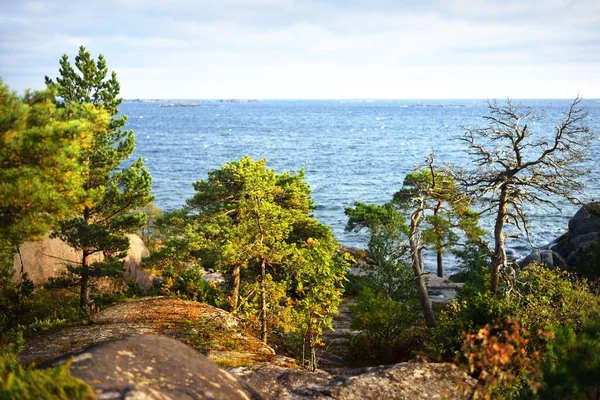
{"x":418,"y":269}
{"x":84,"y":292}
{"x":235,"y":291}
{"x":440,"y":265}
{"x":499,"y":258}
{"x":263,"y":303}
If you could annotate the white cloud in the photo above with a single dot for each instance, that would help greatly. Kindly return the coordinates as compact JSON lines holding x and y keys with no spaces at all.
{"x":292,"y":48}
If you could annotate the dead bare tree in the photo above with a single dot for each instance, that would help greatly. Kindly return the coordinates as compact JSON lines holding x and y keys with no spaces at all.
{"x":515,"y":165}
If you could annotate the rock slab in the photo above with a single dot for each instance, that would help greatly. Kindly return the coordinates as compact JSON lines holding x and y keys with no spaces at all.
{"x":155,"y":368}
{"x":404,"y":381}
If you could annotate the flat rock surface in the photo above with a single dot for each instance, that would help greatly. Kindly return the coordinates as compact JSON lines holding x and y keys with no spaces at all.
{"x":442,"y":290}
{"x":210,"y":330}
{"x":155,"y":367}
{"x":405,"y":381}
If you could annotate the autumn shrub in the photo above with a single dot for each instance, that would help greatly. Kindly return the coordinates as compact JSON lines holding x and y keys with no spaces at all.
{"x":499,"y":358}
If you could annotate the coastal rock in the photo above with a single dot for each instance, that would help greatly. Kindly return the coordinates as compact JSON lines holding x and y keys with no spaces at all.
{"x":398,"y":381}
{"x":566,"y":251}
{"x":214,"y":332}
{"x":45,"y":259}
{"x":442,"y":290}
{"x":549,"y":258}
{"x":155,"y":367}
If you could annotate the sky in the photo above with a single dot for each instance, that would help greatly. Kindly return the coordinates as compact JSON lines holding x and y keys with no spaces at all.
{"x":313,"y":49}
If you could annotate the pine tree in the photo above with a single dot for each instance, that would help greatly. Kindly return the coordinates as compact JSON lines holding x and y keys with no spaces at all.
{"x":448,"y":215}
{"x":40,"y":177}
{"x":435,"y":209}
{"x":112,"y":192}
{"x":256,"y":226}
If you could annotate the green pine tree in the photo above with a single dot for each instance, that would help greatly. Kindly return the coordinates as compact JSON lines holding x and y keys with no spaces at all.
{"x":40,"y":178}
{"x":256,"y":226}
{"x":112,"y":191}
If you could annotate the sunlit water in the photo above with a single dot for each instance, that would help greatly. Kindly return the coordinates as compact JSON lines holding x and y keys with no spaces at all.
{"x":351,"y":150}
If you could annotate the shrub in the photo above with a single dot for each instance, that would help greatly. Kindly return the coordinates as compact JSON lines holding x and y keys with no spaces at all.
{"x":390,"y":330}
{"x":190,"y":285}
{"x":572,"y":363}
{"x":17,"y":382}
{"x":540,"y":298}
{"x":498,"y":357}
{"x":354,"y":285}
{"x":56,"y":304}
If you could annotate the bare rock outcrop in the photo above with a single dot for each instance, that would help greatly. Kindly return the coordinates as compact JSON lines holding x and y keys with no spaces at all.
{"x":45,"y":259}
{"x":155,"y":368}
{"x":404,"y":381}
{"x":214,"y":332}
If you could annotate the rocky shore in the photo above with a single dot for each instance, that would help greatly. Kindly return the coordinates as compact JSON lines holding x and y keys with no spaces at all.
{"x":129,"y":351}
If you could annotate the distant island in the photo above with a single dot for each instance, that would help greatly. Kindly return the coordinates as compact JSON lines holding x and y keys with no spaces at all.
{"x":170,"y":103}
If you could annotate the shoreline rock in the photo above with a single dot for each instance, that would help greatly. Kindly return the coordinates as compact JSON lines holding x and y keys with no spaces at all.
{"x":566,"y":251}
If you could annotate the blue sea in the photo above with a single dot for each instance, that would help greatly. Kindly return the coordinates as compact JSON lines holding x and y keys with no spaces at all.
{"x":351,"y":150}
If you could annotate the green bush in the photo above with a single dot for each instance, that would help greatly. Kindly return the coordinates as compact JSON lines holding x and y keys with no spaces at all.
{"x":55,"y":304}
{"x":15,"y":295}
{"x":190,"y":285}
{"x":571,"y":363}
{"x":19,"y":383}
{"x":391,"y":331}
{"x":541,"y":299}
{"x":354,"y":285}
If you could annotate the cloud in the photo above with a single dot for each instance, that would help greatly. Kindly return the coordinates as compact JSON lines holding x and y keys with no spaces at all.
{"x":283,"y":48}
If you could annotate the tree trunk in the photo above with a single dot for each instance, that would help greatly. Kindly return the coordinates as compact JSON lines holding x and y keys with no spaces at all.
{"x":263,"y":303}
{"x":313,"y":354}
{"x":17,"y":317}
{"x":440,"y":266}
{"x":422,"y":289}
{"x":84,"y":291}
{"x":418,"y":269}
{"x":499,"y":258}
{"x":235,"y":291}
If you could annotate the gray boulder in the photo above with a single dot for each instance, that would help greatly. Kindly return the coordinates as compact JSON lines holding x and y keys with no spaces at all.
{"x":549,"y":258}
{"x":566,"y":251}
{"x":155,"y":368}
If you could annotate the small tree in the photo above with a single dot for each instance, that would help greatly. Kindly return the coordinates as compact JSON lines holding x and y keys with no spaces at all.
{"x":112,"y":192}
{"x":317,"y":290}
{"x":449,"y":214}
{"x":373,"y":217}
{"x":233,"y":207}
{"x":515,"y":166}
{"x":386,"y":269}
